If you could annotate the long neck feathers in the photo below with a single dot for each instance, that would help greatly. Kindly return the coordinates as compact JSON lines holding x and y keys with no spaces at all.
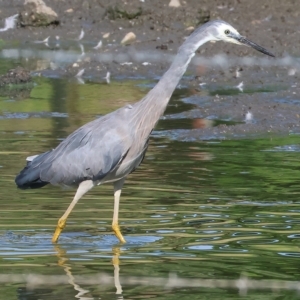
{"x":152,"y":106}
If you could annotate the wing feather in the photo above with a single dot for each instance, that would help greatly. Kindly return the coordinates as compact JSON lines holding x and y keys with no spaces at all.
{"x":91,"y":152}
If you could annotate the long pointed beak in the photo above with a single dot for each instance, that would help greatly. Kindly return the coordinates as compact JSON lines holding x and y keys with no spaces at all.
{"x":244,"y":41}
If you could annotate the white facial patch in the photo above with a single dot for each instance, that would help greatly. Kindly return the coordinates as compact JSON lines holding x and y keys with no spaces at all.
{"x":224,"y":36}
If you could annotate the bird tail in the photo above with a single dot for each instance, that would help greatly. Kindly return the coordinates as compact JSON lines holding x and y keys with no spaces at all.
{"x":29,"y":177}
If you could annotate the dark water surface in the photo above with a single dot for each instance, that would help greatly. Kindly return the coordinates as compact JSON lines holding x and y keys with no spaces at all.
{"x":196,"y":210}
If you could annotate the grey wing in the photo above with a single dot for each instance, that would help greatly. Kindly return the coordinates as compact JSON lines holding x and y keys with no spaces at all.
{"x":91,"y":152}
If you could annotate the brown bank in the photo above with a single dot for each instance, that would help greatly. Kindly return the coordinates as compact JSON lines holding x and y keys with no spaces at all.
{"x":270,"y":92}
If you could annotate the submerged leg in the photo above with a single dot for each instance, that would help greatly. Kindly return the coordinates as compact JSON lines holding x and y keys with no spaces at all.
{"x":115,"y":223}
{"x":84,"y":187}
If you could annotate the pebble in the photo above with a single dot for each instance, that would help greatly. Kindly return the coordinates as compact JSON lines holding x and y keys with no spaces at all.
{"x":292,"y":72}
{"x":174,"y":3}
{"x":190,"y":28}
{"x":129,"y":37}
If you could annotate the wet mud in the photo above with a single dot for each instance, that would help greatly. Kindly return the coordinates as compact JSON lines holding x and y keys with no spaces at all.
{"x":17,"y":76}
{"x":267,"y":103}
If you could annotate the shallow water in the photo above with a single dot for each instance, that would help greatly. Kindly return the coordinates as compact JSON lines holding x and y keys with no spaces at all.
{"x":193,"y":210}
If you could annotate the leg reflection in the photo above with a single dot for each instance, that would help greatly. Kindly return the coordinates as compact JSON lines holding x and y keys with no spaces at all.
{"x":116,"y":263}
{"x":62,"y":261}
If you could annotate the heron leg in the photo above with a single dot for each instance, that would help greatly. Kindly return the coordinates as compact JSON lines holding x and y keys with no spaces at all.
{"x":84,"y":187}
{"x":115,"y":223}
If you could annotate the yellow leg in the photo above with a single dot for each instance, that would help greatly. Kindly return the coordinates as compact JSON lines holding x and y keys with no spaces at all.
{"x":59,"y":228}
{"x":118,"y":234}
{"x":115,"y":224}
{"x":84,"y":187}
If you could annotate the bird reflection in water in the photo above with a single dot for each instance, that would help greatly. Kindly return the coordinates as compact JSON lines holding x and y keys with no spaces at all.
{"x":82,"y":293}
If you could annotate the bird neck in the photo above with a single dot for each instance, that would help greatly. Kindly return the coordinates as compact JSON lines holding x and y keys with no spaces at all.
{"x":164,"y":89}
{"x":153,"y":105}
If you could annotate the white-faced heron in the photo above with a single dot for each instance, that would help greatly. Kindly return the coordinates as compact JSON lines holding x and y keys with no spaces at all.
{"x":112,"y":146}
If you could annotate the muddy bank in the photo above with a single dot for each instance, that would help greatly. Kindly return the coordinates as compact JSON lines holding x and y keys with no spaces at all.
{"x":244,"y":115}
{"x":159,"y":30}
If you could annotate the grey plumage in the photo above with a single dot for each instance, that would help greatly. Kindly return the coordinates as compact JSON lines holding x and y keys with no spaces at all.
{"x":111,"y":147}
{"x":89,"y":153}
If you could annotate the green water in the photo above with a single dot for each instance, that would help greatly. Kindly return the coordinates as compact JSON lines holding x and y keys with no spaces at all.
{"x":196,"y":210}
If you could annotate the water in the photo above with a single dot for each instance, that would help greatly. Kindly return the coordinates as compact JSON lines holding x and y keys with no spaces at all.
{"x":195,"y":211}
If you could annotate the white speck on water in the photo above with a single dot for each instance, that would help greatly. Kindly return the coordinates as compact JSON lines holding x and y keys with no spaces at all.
{"x":80,"y":37}
{"x":107,"y":77}
{"x":240,"y":86}
{"x":98,"y":46}
{"x":249,"y":117}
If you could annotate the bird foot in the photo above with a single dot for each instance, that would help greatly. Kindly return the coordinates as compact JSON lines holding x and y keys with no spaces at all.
{"x":59,"y":228}
{"x":118,"y":234}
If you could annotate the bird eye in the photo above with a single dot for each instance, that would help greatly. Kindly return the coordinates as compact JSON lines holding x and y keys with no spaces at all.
{"x":227,"y":31}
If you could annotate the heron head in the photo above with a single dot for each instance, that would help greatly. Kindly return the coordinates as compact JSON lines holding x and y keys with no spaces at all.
{"x":223,"y":31}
